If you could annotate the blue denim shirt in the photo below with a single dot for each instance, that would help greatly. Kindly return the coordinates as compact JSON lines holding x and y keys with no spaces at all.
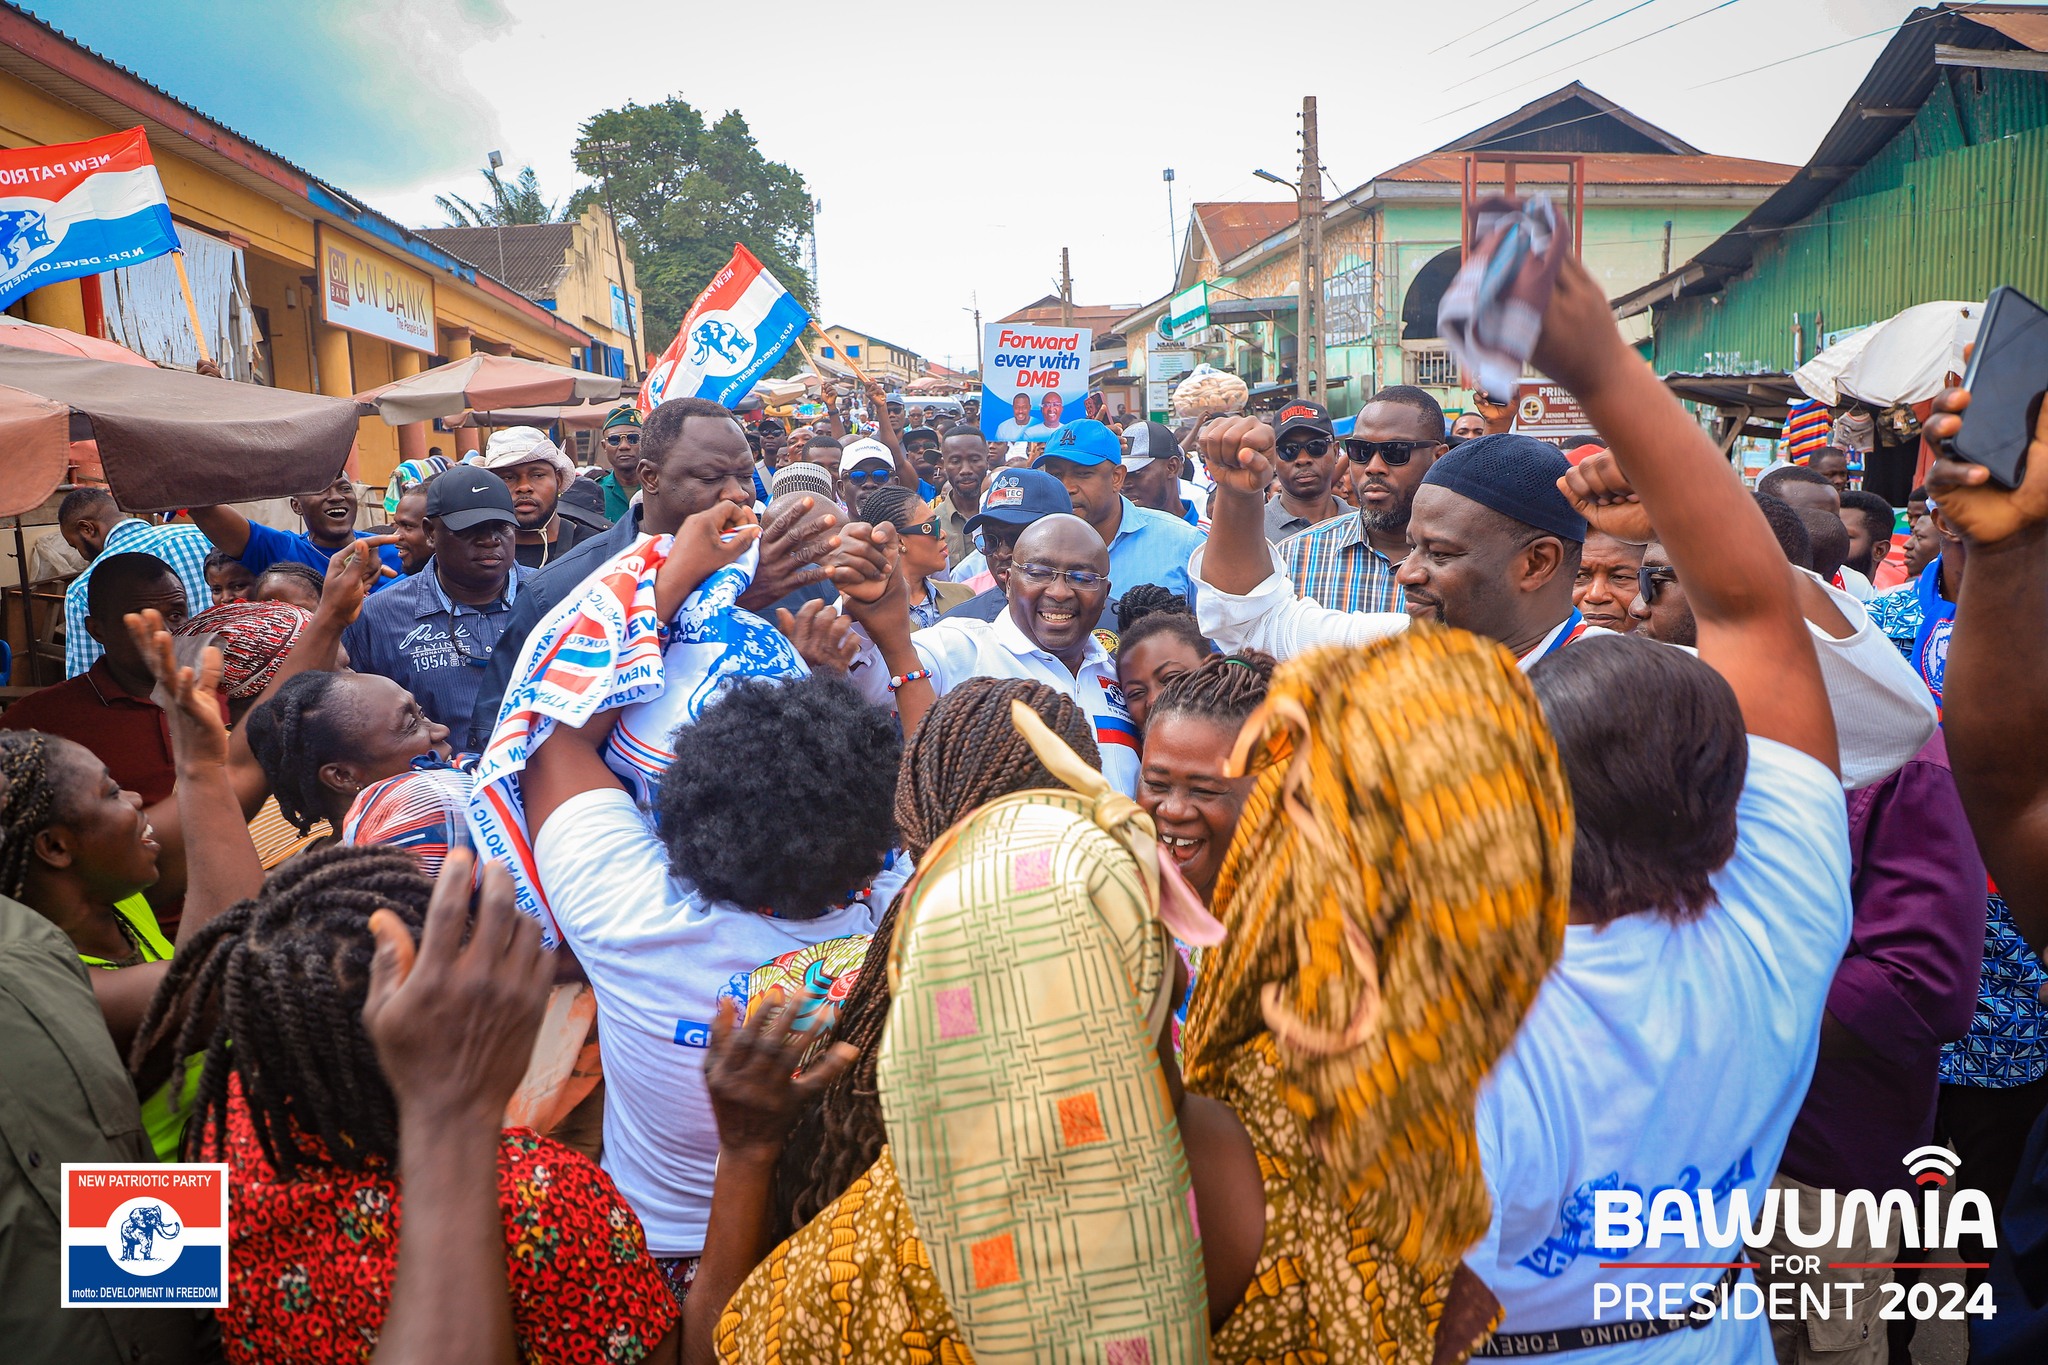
{"x":1150,"y":547}
{"x":434,"y":648}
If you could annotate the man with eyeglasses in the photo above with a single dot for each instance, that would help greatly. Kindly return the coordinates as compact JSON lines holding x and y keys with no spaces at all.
{"x":1057,"y":589}
{"x":1309,"y":454}
{"x":621,"y":438}
{"x":1145,"y":545}
{"x":1348,"y":563}
{"x":1016,"y":498}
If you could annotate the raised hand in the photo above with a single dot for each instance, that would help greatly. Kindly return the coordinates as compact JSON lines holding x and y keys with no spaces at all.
{"x":792,"y":543}
{"x":823,"y":636}
{"x":1580,"y":345}
{"x":188,"y":696}
{"x":1601,"y":493}
{"x":1983,"y":512}
{"x":1239,"y":454}
{"x":453,"y":1022}
{"x":864,"y":565}
{"x":351,"y":573}
{"x":751,"y":1071}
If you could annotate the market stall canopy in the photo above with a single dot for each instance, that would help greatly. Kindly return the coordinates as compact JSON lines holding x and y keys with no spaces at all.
{"x":168,"y":438}
{"x":36,"y":434}
{"x":582,"y":416}
{"x":1907,"y":358}
{"x":486,"y":383}
{"x":35,"y":336}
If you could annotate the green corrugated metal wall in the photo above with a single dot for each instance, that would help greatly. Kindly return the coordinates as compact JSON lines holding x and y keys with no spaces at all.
{"x":1953,"y":206}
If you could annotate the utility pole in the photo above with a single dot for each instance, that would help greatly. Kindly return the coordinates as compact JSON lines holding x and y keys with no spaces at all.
{"x":1172,"y":228}
{"x":977,"y":337}
{"x":1308,"y":344}
{"x":817,"y":294}
{"x":604,"y":151}
{"x":1066,"y":291}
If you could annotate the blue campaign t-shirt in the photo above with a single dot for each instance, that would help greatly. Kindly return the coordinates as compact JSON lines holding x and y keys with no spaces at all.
{"x":268,"y":545}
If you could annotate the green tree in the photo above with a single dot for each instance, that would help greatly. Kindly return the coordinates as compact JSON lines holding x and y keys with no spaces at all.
{"x":685,"y":191}
{"x":518,"y":202}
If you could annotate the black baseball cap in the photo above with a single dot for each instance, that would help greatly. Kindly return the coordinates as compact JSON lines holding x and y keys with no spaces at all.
{"x":582,"y":502}
{"x":1301,"y":414}
{"x":466,"y":497}
{"x":921,"y":434}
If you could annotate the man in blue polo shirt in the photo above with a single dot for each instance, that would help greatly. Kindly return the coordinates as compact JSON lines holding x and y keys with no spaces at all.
{"x":330,"y":517}
{"x":433,"y":633}
{"x":1145,"y":546}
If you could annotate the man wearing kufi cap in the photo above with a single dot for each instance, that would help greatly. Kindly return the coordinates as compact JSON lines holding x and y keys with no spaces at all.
{"x":535,"y":470}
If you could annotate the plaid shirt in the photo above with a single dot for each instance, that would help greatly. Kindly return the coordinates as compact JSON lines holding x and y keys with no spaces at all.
{"x":181,"y":545}
{"x":1333,"y":563}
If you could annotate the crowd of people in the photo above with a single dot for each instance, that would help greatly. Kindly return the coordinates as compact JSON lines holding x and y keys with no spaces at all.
{"x":853,"y":889}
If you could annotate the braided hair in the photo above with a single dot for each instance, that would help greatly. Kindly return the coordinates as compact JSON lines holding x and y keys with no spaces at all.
{"x":293,"y":735}
{"x":1225,"y":689}
{"x":28,"y":803}
{"x":891,"y":503}
{"x":1149,"y":609}
{"x":272,"y":991}
{"x":964,"y":755}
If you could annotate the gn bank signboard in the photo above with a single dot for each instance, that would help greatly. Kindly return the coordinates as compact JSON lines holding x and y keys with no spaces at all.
{"x":363,"y":290}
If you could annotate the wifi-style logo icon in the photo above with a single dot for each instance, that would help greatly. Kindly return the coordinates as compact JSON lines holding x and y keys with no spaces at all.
{"x":1932,"y":1165}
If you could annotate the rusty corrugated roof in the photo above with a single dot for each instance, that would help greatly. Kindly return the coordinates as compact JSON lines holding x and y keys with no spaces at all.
{"x":535,"y":257}
{"x":1236,"y":226}
{"x":1611,"y":168}
{"x":2026,"y":25}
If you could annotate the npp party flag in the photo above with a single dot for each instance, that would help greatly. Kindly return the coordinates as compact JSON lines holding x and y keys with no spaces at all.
{"x":603,"y":650}
{"x":79,"y":208}
{"x":737,"y":329}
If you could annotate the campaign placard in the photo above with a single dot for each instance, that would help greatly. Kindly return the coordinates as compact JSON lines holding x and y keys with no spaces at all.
{"x":1033,"y":380}
{"x":145,"y":1236}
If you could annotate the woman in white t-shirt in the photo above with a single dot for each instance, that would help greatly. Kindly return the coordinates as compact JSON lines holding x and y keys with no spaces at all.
{"x":766,"y":829}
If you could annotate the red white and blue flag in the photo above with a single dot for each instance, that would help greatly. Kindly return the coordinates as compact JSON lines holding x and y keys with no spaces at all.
{"x":741,"y":324}
{"x":145,"y":1236}
{"x":79,"y":208}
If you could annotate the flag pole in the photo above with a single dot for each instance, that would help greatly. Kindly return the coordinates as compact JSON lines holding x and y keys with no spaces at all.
{"x":191,"y":308}
{"x":850,"y":361}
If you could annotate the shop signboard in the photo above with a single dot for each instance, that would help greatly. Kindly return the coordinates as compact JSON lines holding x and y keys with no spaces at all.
{"x":363,"y":290}
{"x":1543,"y":409}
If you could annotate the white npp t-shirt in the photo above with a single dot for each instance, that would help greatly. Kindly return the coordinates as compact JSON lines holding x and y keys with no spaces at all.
{"x":1668,"y":1055}
{"x":956,"y":650}
{"x":659,"y":958}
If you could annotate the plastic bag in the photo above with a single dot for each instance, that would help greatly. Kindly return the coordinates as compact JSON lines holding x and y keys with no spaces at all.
{"x":1206,"y":390}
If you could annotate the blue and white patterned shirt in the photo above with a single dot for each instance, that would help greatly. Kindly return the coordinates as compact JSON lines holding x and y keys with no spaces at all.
{"x":179,"y":544}
{"x":2007,"y":1044}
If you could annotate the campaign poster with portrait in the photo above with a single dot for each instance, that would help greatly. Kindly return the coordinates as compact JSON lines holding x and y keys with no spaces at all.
{"x":1033,"y":379}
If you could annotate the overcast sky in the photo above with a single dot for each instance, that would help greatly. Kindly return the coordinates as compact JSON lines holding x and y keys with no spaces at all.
{"x":958,"y":147}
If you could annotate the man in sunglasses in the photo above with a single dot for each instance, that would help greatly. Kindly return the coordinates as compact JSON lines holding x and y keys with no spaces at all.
{"x":1348,"y":563}
{"x":621,"y":439}
{"x":1309,"y":455}
{"x":1058,"y":588}
{"x":865,"y":466}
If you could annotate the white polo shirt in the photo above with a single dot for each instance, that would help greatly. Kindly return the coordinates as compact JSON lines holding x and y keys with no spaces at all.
{"x":956,"y":650}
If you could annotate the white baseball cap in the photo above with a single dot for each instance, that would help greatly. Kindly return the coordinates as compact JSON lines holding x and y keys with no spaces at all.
{"x":866,"y":448}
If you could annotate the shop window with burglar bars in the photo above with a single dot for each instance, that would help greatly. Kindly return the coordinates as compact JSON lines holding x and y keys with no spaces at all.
{"x":1428,"y":365}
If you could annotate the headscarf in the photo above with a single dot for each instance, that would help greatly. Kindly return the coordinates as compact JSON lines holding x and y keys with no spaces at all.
{"x":1395,"y":895}
{"x":253,"y":639}
{"x":423,"y":810}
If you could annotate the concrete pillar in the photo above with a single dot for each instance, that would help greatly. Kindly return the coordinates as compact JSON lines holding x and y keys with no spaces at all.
{"x":468,"y":440}
{"x":412,"y":437}
{"x":58,"y":305}
{"x":330,"y":355}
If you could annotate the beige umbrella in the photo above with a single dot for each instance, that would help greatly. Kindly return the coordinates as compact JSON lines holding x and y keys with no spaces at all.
{"x":36,"y":434}
{"x":586,"y":415}
{"x":486,"y":383}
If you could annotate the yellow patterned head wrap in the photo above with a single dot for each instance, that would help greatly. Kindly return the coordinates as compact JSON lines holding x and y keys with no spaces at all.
{"x":1395,"y":895}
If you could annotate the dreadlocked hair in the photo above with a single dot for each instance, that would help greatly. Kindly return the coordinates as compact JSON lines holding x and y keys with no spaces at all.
{"x":1225,"y":688}
{"x":272,"y":991}
{"x":1147,"y":599}
{"x":293,"y":735}
{"x":964,"y":755}
{"x":28,"y":802}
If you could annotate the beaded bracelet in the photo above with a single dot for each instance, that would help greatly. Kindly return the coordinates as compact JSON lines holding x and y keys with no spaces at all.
{"x":907,"y":678}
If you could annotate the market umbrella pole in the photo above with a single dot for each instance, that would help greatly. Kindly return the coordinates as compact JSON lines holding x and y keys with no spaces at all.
{"x":191,"y":307}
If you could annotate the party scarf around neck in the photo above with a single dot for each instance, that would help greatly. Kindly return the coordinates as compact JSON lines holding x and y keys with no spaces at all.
{"x":1930,"y":637}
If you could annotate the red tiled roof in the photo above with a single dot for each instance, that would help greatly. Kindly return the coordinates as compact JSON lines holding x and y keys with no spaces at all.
{"x":1237,"y":226}
{"x":1608,"y":168}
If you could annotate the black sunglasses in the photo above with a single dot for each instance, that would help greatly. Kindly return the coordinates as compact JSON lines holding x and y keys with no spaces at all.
{"x":631,"y":439}
{"x":1650,"y":581}
{"x":1315,"y":448}
{"x":1393,"y":454}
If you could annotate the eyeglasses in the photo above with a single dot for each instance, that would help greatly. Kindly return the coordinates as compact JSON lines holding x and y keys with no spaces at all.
{"x":1393,"y":453}
{"x":1315,"y":449}
{"x":989,"y":543}
{"x":630,"y":439}
{"x":1650,"y":581}
{"x":1043,"y":574}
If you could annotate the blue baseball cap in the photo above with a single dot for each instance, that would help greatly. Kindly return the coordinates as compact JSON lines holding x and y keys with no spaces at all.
{"x":1083,"y":441}
{"x":1018,"y":497}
